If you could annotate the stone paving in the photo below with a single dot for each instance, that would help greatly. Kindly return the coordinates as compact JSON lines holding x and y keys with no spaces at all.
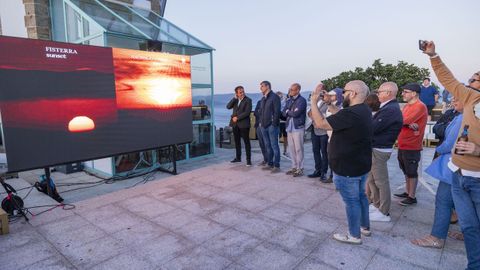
{"x":217,"y":215}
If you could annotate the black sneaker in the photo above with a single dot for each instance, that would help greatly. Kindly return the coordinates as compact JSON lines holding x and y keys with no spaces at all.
{"x":326,"y":180}
{"x":401,"y":195}
{"x":315,"y":174}
{"x":267,"y":168}
{"x":235,"y":160}
{"x":249,"y":163}
{"x":408,"y":201}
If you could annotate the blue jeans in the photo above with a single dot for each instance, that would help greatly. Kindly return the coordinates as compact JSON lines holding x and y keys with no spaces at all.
{"x":443,"y":210}
{"x":352,"y":190}
{"x":466,"y":196}
{"x":270,"y":138}
{"x":319,"y":147}
{"x":261,"y":142}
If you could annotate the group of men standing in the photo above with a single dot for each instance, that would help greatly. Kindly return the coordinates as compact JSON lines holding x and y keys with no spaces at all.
{"x":267,"y":113}
{"x":361,"y":145}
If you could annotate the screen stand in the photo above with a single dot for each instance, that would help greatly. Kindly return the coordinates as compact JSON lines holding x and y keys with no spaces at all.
{"x":49,"y":181}
{"x":173,"y":158}
{"x":141,"y":161}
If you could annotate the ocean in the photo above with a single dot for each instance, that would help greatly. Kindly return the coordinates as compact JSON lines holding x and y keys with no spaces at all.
{"x":222,"y":115}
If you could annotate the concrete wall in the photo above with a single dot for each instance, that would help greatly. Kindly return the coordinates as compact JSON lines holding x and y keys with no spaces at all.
{"x":12,"y":14}
{"x":37,"y":19}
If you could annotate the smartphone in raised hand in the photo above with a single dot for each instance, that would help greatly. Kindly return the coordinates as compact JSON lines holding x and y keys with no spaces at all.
{"x":422,"y":45}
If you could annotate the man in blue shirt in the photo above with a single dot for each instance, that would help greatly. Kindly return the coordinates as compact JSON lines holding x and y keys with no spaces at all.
{"x":429,"y":96}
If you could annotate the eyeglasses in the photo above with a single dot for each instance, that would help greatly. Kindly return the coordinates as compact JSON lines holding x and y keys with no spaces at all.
{"x":407,"y":92}
{"x":473,"y":80}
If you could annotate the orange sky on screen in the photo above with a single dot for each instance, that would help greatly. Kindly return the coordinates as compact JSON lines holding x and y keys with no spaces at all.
{"x":149,"y":80}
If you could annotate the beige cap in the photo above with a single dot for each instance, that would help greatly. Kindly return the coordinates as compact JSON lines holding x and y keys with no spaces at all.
{"x":332,"y":93}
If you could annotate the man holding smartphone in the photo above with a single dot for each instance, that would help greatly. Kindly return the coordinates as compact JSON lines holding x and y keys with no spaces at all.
{"x":465,"y":162}
{"x":240,"y":122}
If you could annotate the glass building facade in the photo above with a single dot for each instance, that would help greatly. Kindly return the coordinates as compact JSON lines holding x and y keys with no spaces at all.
{"x":116,"y":24}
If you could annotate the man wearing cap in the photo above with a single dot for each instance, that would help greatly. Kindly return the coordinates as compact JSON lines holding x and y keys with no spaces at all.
{"x":335,"y":100}
{"x":465,"y":162}
{"x":320,"y":140}
{"x":429,"y":96}
{"x":387,"y":123}
{"x":410,"y":141}
{"x":350,"y":155}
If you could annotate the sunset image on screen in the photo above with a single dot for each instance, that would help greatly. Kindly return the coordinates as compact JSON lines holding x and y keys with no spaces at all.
{"x":81,"y":124}
{"x":151,"y":80}
{"x":79,"y":102}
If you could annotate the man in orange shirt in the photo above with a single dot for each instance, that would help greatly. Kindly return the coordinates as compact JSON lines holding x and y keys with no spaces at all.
{"x":410,"y":140}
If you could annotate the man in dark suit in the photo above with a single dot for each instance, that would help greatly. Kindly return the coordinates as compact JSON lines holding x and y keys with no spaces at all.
{"x":240,"y":122}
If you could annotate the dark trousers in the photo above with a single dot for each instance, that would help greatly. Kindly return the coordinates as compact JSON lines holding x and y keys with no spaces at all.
{"x":242,"y":133}
{"x":261,"y":142}
{"x":319,"y":146}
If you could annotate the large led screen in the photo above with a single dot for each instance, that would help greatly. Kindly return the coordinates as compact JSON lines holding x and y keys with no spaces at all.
{"x":63,"y":102}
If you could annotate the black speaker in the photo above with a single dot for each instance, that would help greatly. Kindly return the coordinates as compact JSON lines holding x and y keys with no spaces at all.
{"x":12,"y":203}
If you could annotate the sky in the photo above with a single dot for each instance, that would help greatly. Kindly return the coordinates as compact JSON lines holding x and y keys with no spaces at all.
{"x":307,"y":41}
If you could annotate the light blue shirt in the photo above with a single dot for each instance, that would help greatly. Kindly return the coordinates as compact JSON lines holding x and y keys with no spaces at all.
{"x":439,"y":167}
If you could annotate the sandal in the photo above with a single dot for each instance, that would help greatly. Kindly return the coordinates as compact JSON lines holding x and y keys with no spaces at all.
{"x":429,"y":241}
{"x":456,"y":235}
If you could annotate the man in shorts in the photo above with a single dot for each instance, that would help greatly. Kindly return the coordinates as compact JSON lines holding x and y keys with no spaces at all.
{"x":410,"y":141}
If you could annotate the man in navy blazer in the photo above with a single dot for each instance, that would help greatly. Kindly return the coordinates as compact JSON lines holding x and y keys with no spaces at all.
{"x":268,"y":125}
{"x":387,"y":123}
{"x":240,"y":122}
{"x":295,"y":111}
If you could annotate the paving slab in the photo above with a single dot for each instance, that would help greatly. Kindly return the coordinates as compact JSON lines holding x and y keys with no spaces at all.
{"x":343,"y":256}
{"x":199,"y":258}
{"x":232,"y":244}
{"x":268,"y":256}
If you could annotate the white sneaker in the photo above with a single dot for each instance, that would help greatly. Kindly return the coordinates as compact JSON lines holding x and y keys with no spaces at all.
{"x":380,"y":217}
{"x":347,"y":238}
{"x":372,"y":208}
{"x":365,"y":232}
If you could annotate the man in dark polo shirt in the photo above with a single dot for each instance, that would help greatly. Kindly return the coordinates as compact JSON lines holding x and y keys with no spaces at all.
{"x":350,"y":155}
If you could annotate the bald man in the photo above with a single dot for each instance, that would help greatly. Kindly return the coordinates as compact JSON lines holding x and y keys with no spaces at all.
{"x":350,"y":155}
{"x":387,"y":123}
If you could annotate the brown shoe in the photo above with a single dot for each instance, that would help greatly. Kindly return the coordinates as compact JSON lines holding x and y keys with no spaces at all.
{"x":453,"y":217}
{"x":429,"y":241}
